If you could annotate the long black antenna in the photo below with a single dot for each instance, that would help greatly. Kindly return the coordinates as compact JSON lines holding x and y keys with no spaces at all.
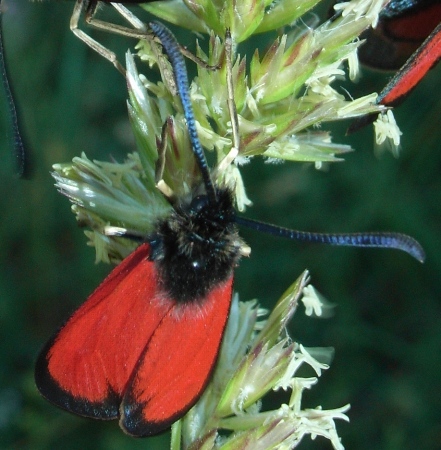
{"x":174,"y":54}
{"x":18,"y":147}
{"x":383,"y":240}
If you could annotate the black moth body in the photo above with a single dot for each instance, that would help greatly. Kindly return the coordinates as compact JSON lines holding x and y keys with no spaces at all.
{"x":197,"y":247}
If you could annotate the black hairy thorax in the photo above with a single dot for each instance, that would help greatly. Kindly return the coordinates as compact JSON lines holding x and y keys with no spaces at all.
{"x":197,"y":247}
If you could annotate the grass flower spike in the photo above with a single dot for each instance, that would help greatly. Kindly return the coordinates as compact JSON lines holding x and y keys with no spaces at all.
{"x":256,"y":357}
{"x":272,"y":104}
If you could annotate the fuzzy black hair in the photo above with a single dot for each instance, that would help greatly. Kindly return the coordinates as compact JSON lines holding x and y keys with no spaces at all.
{"x":197,"y":247}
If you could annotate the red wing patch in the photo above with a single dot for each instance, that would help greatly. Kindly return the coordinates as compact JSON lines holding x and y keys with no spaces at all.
{"x":175,"y":368}
{"x":129,"y":348}
{"x":414,"y":70}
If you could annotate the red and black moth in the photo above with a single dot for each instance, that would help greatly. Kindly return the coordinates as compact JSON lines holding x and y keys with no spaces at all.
{"x":408,"y":39}
{"x":142,"y":347}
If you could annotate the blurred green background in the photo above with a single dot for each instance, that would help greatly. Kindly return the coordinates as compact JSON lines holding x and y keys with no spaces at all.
{"x":386,"y":327}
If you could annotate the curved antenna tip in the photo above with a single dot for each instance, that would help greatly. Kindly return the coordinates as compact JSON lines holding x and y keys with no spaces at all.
{"x":396,"y":241}
{"x":416,"y":250}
